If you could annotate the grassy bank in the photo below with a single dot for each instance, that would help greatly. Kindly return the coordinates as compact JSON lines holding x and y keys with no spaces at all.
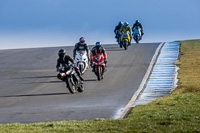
{"x":176,"y":112}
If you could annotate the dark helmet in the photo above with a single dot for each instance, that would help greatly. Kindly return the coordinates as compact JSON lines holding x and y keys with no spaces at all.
{"x":98,"y":44}
{"x":137,"y":21}
{"x":82,"y":40}
{"x":98,"y":48}
{"x":61,"y":53}
{"x":120,"y":23}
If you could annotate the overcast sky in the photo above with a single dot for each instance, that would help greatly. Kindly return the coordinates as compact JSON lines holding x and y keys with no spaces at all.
{"x":47,"y":23}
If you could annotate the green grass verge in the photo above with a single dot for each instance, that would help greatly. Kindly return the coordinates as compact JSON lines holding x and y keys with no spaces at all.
{"x":176,"y":112}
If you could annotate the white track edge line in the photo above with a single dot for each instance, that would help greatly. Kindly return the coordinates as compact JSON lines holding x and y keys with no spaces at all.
{"x":129,"y":106}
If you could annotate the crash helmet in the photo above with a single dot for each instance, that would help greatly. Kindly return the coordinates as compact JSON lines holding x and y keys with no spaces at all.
{"x":61,"y":53}
{"x":82,"y":40}
{"x":136,"y":21}
{"x":120,"y":23}
{"x":98,"y":44}
{"x":126,"y":24}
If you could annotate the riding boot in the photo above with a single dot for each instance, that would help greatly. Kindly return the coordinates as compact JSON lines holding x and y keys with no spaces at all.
{"x":59,"y":77}
{"x":120,"y":44}
{"x":93,"y":68}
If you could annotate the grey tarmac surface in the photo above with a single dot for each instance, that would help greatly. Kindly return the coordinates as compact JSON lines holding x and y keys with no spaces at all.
{"x":30,"y":91}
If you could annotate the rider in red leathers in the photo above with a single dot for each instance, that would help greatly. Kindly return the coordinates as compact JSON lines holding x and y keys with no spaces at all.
{"x":98,"y":50}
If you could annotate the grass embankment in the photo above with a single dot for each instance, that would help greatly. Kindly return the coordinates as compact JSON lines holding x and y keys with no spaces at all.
{"x":176,"y":112}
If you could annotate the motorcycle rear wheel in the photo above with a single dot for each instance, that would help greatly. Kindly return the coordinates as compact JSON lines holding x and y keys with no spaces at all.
{"x":70,"y":86}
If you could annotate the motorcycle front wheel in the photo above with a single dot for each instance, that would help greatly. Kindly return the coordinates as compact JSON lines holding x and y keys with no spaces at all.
{"x":70,"y":86}
{"x":99,"y":73}
{"x":125,"y":44}
{"x":80,"y":88}
{"x":81,"y":69}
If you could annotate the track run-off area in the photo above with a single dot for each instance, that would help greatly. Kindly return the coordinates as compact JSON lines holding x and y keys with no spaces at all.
{"x":30,"y":91}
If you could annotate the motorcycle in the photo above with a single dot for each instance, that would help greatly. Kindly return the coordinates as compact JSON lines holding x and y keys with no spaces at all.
{"x":126,"y":40}
{"x":73,"y":83}
{"x":137,"y":34}
{"x":98,"y":64}
{"x":81,"y":60}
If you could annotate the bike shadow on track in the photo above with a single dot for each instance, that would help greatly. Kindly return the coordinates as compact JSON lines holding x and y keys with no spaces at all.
{"x":59,"y":81}
{"x":36,"y":77}
{"x":88,"y":80}
{"x":28,"y":95}
{"x":114,"y":49}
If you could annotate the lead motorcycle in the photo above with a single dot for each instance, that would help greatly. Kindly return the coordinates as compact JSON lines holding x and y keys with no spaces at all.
{"x":98,"y":64}
{"x":81,"y":60}
{"x":137,"y":34}
{"x":73,"y":83}
{"x":126,"y":40}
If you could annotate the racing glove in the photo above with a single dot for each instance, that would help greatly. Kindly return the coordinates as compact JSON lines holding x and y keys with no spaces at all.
{"x":142,"y":33}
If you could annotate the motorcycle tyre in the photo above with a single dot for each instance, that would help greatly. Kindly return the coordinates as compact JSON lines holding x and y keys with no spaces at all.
{"x":81,"y":88}
{"x":70,"y":86}
{"x":81,"y":70}
{"x":99,"y":73}
{"x":125,"y":44}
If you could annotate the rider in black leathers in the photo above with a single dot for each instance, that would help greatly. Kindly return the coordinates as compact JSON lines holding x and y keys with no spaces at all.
{"x":137,"y":23}
{"x":65,"y":60}
{"x":81,"y":45}
{"x":117,"y":35}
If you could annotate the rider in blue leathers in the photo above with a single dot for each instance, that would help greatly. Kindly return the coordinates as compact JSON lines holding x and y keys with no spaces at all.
{"x":137,"y":23}
{"x":117,"y":28}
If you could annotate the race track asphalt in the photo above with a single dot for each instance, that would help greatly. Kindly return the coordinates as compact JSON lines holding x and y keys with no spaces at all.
{"x":30,"y":91}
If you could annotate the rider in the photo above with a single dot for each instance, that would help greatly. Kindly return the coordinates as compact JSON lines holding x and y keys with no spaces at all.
{"x":117,"y":35}
{"x":81,"y":45}
{"x":137,"y":23}
{"x":98,"y":49}
{"x":123,"y":29}
{"x":65,"y":60}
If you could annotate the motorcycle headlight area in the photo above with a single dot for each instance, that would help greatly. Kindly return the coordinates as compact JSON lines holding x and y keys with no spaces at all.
{"x":62,"y":74}
{"x":101,"y":62}
{"x":94,"y":63}
{"x":68,"y":72}
{"x":125,"y":36}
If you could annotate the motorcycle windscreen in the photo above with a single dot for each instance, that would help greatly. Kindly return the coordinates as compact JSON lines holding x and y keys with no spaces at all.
{"x":81,"y":52}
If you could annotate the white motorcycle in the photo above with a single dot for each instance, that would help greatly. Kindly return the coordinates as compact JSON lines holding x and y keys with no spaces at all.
{"x":137,"y":34}
{"x":81,"y":61}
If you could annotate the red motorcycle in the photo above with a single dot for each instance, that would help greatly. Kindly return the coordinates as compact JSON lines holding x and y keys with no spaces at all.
{"x":98,"y":64}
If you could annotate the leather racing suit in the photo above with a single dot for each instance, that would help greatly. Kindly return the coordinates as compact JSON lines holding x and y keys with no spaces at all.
{"x":98,"y":50}
{"x":81,"y":46}
{"x":66,"y":61}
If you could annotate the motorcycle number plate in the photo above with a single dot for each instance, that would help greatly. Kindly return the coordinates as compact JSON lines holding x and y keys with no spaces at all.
{"x":125,"y":36}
